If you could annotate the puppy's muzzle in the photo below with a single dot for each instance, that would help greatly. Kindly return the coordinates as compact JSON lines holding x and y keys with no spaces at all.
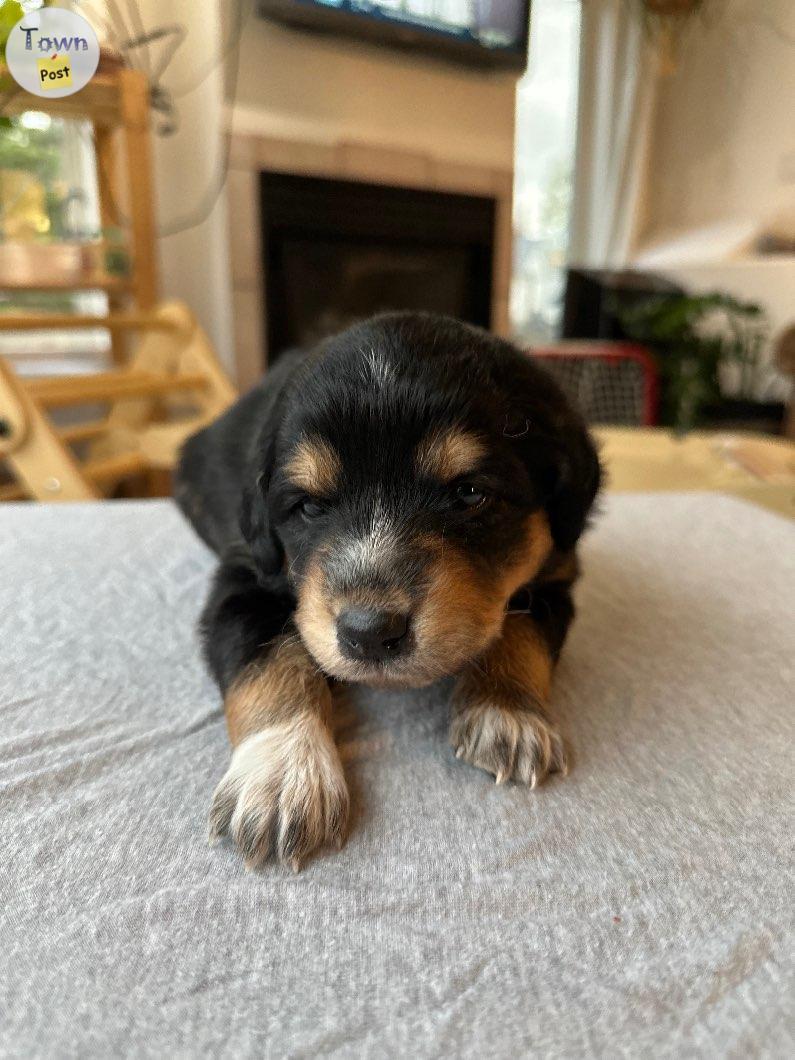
{"x":369,"y":635}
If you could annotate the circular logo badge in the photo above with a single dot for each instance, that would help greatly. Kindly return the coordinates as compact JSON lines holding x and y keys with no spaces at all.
{"x":52,"y":52}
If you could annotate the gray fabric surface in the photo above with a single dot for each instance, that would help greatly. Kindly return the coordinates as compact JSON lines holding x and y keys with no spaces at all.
{"x":640,"y":907}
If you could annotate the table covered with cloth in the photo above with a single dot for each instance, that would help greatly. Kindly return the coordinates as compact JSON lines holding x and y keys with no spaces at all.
{"x":641,"y":906}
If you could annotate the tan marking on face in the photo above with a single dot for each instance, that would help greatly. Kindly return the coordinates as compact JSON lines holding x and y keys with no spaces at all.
{"x":316,"y":619}
{"x":561,"y":568}
{"x":376,"y":599}
{"x":287,"y":684}
{"x":448,"y":622}
{"x":449,"y":454}
{"x":318,"y":609}
{"x":460,"y":614}
{"x":531,"y":555}
{"x":314,"y":466}
{"x":463,"y":611}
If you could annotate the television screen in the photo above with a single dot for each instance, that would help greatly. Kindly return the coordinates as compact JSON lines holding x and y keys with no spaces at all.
{"x":485,"y":32}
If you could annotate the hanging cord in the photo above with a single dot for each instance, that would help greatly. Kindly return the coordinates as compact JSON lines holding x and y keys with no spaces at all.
{"x":162,"y":100}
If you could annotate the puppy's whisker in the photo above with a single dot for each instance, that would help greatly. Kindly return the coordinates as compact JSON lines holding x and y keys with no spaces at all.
{"x":287,"y":640}
{"x":292,"y":565}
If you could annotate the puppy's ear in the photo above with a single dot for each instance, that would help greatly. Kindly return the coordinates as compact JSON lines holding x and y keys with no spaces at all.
{"x":255,"y":516}
{"x":565,"y":465}
{"x":578,"y":477}
{"x":256,"y":526}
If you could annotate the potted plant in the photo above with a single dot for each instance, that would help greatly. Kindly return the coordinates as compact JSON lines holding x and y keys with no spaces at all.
{"x":707,"y":348}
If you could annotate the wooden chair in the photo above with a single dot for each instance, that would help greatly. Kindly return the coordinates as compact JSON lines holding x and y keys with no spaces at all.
{"x":172,"y":386}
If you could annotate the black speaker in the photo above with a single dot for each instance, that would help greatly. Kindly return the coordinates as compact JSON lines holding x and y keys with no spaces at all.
{"x":593,"y":296}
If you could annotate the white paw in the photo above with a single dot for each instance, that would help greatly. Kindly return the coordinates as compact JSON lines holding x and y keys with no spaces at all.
{"x":284,"y":793}
{"x":511,"y":744}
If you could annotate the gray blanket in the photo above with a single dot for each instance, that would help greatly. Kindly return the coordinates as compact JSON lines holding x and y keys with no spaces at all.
{"x":640,"y":907}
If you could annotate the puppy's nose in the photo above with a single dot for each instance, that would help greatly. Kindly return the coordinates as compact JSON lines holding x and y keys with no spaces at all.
{"x":372,"y":636}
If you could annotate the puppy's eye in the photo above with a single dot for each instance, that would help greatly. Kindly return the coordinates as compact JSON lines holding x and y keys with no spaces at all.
{"x":309,"y":509}
{"x":469,"y":495}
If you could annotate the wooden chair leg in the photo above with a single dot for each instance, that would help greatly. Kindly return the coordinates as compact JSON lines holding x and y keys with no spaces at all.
{"x":42,"y":464}
{"x":173,"y":386}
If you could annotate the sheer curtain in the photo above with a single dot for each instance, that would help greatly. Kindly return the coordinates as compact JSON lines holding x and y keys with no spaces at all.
{"x":617,"y":85}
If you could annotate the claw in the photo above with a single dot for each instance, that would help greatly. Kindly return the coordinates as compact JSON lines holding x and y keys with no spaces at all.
{"x":500,"y":778}
{"x":295,"y":865}
{"x":533,"y":779}
{"x":459,"y":752}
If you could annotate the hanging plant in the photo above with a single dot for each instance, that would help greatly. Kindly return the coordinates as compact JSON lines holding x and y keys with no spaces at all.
{"x":673,"y":8}
{"x":668,"y":17}
{"x":664,"y":21}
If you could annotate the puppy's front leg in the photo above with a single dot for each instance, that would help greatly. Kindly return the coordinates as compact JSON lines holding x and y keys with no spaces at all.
{"x":284,"y":792}
{"x":500,"y":721}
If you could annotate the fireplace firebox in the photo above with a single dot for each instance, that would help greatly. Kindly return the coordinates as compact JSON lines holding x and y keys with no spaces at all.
{"x":336,"y":251}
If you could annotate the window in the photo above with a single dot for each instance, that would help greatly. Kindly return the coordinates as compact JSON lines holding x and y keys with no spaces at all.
{"x":546,"y":119}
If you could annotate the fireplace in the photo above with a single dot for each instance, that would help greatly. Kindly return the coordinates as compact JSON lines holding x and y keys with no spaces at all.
{"x":323,"y":232}
{"x":335,"y":251}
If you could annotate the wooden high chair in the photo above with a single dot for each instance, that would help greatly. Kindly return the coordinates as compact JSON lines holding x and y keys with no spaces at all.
{"x":172,"y":386}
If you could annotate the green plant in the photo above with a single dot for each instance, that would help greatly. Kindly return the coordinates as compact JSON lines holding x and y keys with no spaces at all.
{"x":696,"y":340}
{"x":10,"y":13}
{"x":117,"y":257}
{"x":35,"y":151}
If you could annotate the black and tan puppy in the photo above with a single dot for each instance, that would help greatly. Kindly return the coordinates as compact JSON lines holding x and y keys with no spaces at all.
{"x":401,"y":503}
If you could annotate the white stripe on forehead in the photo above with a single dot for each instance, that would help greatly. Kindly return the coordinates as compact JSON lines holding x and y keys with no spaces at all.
{"x":376,"y":368}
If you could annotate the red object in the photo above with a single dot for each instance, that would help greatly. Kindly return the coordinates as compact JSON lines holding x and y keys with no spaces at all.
{"x":611,"y":353}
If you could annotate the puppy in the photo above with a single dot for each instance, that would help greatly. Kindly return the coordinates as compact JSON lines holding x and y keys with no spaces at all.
{"x":398,"y":504}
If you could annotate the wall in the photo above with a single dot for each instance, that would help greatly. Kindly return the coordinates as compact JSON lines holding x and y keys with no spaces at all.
{"x":189,"y":172}
{"x":295,"y":85}
{"x":724,"y":135}
{"x":722,"y":161}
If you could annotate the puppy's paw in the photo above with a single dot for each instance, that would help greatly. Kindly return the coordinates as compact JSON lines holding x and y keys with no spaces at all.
{"x":283,"y":794}
{"x":510,"y":743}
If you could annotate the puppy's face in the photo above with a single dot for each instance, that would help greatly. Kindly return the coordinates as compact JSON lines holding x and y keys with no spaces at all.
{"x":403,"y":562}
{"x":405,"y":513}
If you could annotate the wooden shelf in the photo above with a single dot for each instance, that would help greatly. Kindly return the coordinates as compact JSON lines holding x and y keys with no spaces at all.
{"x":116,"y":103}
{"x":104,"y":283}
{"x":57,"y":392}
{"x":100,"y":100}
{"x":78,"y":321}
